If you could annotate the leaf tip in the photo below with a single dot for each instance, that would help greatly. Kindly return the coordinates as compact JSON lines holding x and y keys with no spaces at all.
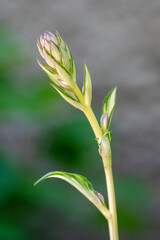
{"x":115,"y":89}
{"x":85,"y":65}
{"x":35,"y":184}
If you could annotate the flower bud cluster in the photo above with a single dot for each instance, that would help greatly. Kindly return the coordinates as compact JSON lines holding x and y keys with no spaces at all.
{"x":60,"y":68}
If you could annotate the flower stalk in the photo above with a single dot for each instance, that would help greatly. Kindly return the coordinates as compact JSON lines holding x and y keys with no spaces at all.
{"x":107,"y":163}
{"x":61,"y":70}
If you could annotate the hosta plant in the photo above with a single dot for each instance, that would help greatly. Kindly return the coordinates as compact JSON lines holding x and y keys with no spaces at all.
{"x":61,"y":70}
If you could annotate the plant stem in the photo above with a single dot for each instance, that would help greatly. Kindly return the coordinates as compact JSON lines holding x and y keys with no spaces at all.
{"x":107,"y":163}
{"x":93,"y":122}
{"x":89,"y":113}
{"x":113,"y":225}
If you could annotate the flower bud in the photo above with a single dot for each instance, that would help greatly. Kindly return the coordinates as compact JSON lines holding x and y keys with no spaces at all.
{"x":58,"y":50}
{"x":56,"y":54}
{"x":47,"y":46}
{"x":72,"y":95}
{"x":49,"y":60}
{"x":50,"y":37}
{"x":100,"y":196}
{"x":104,"y":122}
{"x":64,"y":85}
{"x":55,"y":51}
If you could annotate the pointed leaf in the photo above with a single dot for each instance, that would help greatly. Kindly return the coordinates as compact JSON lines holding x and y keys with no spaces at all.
{"x":87,"y":86}
{"x":83,"y":185}
{"x":109,"y":104}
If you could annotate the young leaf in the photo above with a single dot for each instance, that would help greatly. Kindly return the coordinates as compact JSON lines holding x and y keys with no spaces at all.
{"x":83,"y":185}
{"x":87,"y":86}
{"x":109,"y":104}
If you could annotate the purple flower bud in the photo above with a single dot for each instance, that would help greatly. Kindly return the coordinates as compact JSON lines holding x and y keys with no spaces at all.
{"x":45,"y":35}
{"x":104,"y":122}
{"x":56,"y":54}
{"x":50,"y":37}
{"x":100,"y":196}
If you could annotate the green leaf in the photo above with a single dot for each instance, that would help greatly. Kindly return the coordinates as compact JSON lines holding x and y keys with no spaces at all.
{"x":82,"y":185}
{"x":87,"y":86}
{"x":109,"y":104}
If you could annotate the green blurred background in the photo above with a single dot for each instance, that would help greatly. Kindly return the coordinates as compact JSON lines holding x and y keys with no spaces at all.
{"x":39,"y":132}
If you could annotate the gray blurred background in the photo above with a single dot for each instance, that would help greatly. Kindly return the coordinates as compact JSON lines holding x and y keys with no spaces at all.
{"x":120,"y":42}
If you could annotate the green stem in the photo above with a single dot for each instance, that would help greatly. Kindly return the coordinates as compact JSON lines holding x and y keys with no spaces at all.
{"x":107,"y":163}
{"x":112,"y":222}
{"x":113,"y":226}
{"x":89,"y":113}
{"x":93,"y":122}
{"x":107,"y":159}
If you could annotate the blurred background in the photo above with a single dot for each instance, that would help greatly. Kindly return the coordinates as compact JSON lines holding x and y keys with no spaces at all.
{"x":39,"y":132}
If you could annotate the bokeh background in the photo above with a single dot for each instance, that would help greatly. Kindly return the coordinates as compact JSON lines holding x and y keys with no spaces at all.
{"x":39,"y":132}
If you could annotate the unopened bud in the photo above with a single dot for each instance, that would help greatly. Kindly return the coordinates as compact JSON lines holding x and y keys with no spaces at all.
{"x":55,"y":51}
{"x":49,"y":60}
{"x":47,"y":46}
{"x":50,"y":37}
{"x":104,"y":122}
{"x":64,"y":85}
{"x":66,"y":60}
{"x":56,"y":48}
{"x":72,"y":95}
{"x":61,"y":67}
{"x":100,"y":196}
